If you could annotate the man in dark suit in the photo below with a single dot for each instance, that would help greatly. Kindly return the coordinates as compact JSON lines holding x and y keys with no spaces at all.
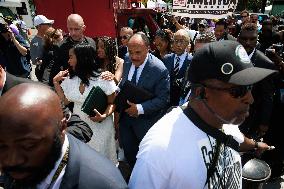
{"x":37,"y":153}
{"x":75,"y":126}
{"x":257,"y":124}
{"x":149,"y":73}
{"x":177,"y":64}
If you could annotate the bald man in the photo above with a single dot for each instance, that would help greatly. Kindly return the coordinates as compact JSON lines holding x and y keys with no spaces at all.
{"x":36,"y":152}
{"x":149,"y":73}
{"x":177,"y":64}
{"x":76,"y":28}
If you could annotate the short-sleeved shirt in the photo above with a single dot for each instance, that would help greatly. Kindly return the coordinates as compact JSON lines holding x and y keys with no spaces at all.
{"x":175,"y":154}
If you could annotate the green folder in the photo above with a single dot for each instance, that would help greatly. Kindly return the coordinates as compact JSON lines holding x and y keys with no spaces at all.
{"x":96,"y":99}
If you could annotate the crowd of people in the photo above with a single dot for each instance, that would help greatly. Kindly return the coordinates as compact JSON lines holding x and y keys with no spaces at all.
{"x":214,"y":89}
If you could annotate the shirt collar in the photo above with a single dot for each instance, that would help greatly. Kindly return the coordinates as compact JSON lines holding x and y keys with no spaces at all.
{"x":250,"y":55}
{"x":182,"y":57}
{"x":47,"y":181}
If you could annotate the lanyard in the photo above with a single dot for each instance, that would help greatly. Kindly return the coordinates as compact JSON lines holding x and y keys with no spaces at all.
{"x":59,"y":169}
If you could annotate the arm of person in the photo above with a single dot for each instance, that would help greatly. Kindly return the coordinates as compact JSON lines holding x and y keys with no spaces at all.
{"x":23,"y":50}
{"x":56,"y":81}
{"x":119,"y":70}
{"x":109,"y":110}
{"x":79,"y":129}
{"x":177,"y":24}
{"x":250,"y":144}
{"x":144,"y":175}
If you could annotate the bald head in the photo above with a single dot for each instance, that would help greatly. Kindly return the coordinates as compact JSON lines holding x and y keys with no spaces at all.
{"x":29,"y":101}
{"x":76,"y":27}
{"x":138,"y":47}
{"x":75,"y":18}
{"x":32,"y":131}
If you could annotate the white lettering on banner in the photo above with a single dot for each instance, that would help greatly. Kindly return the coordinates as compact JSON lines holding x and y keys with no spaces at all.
{"x":211,"y":9}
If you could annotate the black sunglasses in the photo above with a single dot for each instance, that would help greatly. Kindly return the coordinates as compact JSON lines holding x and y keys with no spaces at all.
{"x":122,"y":37}
{"x":236,"y":92}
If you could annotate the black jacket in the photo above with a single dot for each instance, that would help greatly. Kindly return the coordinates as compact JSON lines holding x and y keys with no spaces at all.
{"x":263,"y":91}
{"x":61,"y":63}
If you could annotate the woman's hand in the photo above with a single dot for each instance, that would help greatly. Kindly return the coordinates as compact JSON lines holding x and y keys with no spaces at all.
{"x":106,"y":75}
{"x":98,"y":117}
{"x":60,"y":76}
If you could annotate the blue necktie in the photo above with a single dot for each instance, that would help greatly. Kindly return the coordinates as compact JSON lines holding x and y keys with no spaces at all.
{"x":133,"y":80}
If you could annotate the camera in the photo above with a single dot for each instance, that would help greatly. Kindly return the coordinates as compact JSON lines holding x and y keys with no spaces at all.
{"x":275,"y":49}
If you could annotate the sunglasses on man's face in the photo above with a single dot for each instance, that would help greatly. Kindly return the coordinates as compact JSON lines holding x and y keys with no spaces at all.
{"x":123,"y":37}
{"x":236,"y":92}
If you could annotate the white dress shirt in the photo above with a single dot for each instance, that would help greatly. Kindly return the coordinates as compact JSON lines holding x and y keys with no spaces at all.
{"x":139,"y":71}
{"x":46,"y":183}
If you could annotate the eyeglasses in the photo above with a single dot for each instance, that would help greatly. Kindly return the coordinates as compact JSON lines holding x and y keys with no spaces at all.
{"x":181,"y":41}
{"x":123,"y":37}
{"x":243,"y":16}
{"x":236,"y":92}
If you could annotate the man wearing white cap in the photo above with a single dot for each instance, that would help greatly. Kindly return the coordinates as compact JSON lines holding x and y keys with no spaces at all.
{"x":42,"y":24}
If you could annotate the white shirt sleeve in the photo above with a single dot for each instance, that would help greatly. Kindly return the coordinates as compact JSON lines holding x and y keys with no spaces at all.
{"x":140,"y":109}
{"x":146,"y":176}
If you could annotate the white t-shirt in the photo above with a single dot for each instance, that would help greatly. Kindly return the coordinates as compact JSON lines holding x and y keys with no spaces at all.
{"x":174,"y":154}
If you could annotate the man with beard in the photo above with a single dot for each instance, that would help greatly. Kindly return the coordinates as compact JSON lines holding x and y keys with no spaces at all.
{"x":37,"y":153}
{"x":186,"y":147}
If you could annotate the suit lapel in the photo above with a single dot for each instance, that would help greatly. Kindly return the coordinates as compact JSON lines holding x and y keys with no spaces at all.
{"x":184,"y":66}
{"x":71,"y":175}
{"x":145,"y":72}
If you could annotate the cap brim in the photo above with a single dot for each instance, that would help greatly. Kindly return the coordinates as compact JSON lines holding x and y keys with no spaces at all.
{"x":250,"y":76}
{"x":49,"y":22}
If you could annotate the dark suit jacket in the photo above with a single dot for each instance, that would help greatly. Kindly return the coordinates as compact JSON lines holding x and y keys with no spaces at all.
{"x":87,"y":169}
{"x":175,"y":91}
{"x":155,"y":79}
{"x":262,"y":91}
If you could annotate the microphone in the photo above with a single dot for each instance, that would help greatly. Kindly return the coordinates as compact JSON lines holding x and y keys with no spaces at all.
{"x":215,"y":114}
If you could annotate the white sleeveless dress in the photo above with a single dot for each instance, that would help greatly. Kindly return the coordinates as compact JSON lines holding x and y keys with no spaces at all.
{"x":103,"y":133}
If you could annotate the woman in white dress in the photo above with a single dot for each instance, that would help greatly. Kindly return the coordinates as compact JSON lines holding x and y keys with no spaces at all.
{"x":77,"y":81}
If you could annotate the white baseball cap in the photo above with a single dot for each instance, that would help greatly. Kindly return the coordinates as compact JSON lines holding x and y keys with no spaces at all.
{"x":41,"y":19}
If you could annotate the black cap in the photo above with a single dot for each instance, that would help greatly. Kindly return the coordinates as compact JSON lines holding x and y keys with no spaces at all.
{"x":3,"y":28}
{"x":226,"y":61}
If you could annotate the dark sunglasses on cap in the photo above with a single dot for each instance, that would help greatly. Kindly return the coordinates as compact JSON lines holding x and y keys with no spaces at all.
{"x":123,"y":37}
{"x":236,"y":92}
